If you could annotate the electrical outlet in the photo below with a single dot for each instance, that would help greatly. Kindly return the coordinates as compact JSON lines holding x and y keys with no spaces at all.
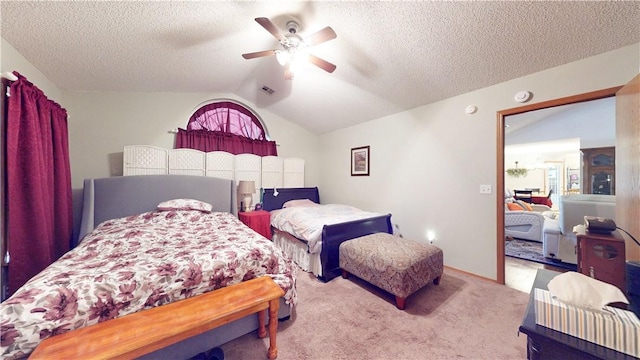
{"x":485,"y":189}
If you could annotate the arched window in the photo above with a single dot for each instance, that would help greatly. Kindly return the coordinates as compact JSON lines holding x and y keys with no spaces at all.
{"x":225,"y":125}
{"x":228,"y":117}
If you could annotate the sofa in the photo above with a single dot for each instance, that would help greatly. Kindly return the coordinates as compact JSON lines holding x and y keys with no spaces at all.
{"x":526,"y":225}
{"x":524,"y":220}
{"x":573,"y":209}
{"x":559,"y":239}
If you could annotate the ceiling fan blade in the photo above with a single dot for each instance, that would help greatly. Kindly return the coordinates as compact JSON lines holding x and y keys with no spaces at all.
{"x":258,"y":54}
{"x":323,"y":64}
{"x":270,"y":27}
{"x":321,"y":36}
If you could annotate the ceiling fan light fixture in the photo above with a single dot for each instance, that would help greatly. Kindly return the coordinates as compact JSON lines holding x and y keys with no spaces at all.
{"x":283,"y":57}
{"x":295,"y":49}
{"x":298,"y":57}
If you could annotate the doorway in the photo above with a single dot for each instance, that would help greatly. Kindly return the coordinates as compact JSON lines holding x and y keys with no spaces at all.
{"x":554,"y":182}
{"x":500,"y":184}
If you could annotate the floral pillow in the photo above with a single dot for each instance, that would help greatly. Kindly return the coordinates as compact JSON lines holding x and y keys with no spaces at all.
{"x":300,"y":202}
{"x":185,"y":204}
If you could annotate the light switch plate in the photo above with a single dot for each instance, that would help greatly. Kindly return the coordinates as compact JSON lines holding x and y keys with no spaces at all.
{"x":485,"y":189}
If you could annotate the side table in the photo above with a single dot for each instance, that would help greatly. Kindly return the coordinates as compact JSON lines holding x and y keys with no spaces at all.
{"x":544,"y":343}
{"x":602,"y":256}
{"x":258,"y":220}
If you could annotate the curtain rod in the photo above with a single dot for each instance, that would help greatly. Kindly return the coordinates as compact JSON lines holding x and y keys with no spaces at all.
{"x":175,"y":131}
{"x":9,"y":76}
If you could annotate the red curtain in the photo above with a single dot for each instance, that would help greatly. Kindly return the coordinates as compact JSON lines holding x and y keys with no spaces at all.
{"x":205,"y":140}
{"x":39,"y":200}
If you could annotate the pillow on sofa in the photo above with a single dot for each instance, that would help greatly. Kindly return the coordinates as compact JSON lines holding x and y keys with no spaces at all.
{"x":514,"y":206}
{"x":524,"y":205}
{"x":508,"y":194}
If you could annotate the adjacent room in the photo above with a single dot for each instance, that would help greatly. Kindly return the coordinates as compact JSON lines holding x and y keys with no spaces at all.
{"x":544,"y":154}
{"x":315,"y":179}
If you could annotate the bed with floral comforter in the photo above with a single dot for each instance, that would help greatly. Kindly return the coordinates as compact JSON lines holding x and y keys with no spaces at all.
{"x":139,"y":262}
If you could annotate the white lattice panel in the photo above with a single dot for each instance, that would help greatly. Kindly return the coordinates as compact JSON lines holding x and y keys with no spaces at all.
{"x":186,"y":162}
{"x":293,"y":173}
{"x":272,"y":167}
{"x":144,"y":160}
{"x":220,"y":164}
{"x":249,"y":167}
{"x":267,"y":171}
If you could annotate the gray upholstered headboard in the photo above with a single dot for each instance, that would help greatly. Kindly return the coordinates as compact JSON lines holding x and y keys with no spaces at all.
{"x":120,"y":196}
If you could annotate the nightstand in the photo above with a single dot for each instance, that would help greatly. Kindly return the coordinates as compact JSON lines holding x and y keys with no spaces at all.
{"x":259,"y":221}
{"x":602,"y":256}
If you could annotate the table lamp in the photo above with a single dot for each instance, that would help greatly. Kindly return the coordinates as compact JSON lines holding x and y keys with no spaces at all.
{"x":246,"y":190}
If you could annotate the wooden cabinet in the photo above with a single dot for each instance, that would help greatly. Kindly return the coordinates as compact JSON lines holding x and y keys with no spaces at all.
{"x":598,"y":170}
{"x":602,"y":256}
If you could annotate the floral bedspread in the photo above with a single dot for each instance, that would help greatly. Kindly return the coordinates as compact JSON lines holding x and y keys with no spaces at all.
{"x":134,"y":263}
{"x":306,"y":222}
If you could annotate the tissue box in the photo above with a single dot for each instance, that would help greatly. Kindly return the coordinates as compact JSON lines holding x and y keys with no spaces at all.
{"x":619,"y":330}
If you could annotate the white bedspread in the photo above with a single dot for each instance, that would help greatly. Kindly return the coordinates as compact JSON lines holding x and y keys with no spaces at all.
{"x":306,"y":222}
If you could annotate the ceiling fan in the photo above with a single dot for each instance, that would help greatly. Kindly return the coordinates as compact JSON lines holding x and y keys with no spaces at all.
{"x":295,"y":46}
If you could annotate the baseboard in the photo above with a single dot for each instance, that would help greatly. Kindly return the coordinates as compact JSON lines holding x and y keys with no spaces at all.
{"x":446,"y":267}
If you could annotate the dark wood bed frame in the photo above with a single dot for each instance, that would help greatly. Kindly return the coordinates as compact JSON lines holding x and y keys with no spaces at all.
{"x":332,"y":235}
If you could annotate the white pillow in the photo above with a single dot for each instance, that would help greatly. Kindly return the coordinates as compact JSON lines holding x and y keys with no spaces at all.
{"x":300,"y":202}
{"x":185,"y":204}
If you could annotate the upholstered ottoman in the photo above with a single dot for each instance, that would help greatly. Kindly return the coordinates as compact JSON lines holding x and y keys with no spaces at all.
{"x":392,"y":263}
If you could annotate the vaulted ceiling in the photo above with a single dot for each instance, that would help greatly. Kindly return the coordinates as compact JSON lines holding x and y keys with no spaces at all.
{"x":390,"y":56}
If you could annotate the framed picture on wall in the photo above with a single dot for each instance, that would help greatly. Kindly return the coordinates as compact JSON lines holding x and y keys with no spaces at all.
{"x":360,"y":157}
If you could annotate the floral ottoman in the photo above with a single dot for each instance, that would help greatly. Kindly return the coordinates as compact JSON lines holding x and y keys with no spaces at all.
{"x":392,"y":263}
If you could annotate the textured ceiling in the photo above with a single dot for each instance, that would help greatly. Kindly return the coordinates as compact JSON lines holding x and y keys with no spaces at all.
{"x":390,"y":56}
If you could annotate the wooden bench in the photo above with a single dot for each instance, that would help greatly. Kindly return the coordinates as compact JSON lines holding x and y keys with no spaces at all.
{"x":146,"y":331}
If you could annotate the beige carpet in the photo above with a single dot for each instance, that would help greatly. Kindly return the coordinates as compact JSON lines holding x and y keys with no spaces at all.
{"x":463,"y":317}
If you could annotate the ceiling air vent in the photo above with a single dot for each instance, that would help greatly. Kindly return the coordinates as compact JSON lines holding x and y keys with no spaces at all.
{"x":267,"y":90}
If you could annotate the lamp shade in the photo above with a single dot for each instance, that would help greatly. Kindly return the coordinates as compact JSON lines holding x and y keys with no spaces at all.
{"x":246,"y":187}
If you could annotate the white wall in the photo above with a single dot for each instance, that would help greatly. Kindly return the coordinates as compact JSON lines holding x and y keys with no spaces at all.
{"x":427,"y":164}
{"x":12,"y":60}
{"x":102,"y":123}
{"x":593,"y":122}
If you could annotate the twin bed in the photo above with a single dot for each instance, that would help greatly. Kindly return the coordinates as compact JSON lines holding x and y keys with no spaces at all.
{"x":143,"y":244}
{"x":332,"y":224}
